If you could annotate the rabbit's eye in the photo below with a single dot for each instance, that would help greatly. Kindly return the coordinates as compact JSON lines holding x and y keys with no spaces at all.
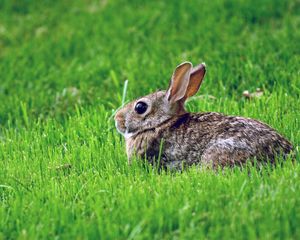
{"x":140,"y":107}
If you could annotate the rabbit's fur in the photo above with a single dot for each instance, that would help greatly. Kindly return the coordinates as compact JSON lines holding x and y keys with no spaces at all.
{"x":165,"y":132}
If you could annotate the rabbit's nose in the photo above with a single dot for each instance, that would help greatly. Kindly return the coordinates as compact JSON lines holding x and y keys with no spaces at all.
{"x":119,"y":116}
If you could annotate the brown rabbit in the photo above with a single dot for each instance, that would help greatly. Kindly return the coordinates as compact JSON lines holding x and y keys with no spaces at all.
{"x":158,"y":127}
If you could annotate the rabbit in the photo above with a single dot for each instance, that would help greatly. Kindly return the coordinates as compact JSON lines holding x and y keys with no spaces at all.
{"x":157,"y":128}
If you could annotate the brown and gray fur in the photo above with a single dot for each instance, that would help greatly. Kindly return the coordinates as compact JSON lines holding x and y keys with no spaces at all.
{"x":168,"y":133}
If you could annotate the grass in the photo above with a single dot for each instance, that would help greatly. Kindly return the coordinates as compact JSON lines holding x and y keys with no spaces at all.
{"x":63,"y":66}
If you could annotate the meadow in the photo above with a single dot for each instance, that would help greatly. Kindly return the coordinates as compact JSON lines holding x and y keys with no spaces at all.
{"x":63,"y":166}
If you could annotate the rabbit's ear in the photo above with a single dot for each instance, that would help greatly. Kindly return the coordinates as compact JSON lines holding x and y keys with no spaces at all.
{"x":179,"y":82}
{"x":196,"y":77}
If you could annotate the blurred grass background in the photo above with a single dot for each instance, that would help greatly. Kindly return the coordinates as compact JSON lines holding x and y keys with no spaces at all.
{"x":94,"y":46}
{"x":62,"y":70}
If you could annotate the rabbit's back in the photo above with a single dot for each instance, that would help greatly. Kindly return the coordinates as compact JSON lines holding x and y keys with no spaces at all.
{"x":213,"y":138}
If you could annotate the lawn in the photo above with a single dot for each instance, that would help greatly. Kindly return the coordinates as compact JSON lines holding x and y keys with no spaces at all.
{"x":63,"y":65}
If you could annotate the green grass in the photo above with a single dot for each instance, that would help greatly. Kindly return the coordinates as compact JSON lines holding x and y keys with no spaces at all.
{"x":63,"y":65}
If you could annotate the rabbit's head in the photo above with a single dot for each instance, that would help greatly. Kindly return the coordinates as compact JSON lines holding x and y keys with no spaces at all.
{"x":151,"y":111}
